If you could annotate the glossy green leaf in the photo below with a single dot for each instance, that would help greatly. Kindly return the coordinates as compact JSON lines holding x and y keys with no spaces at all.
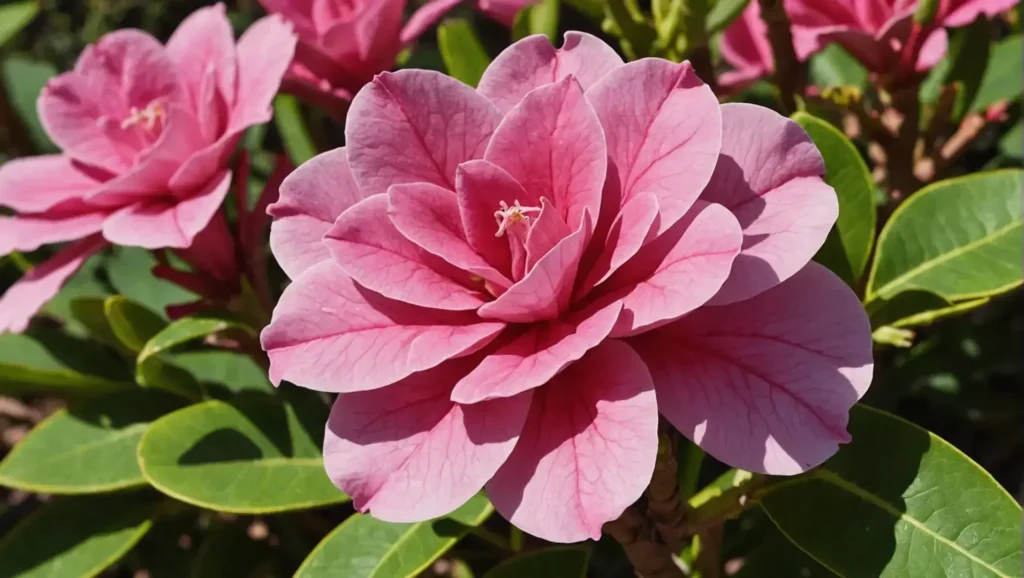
{"x":916,"y":307}
{"x":969,"y":57}
{"x":623,"y":19}
{"x":464,"y":55}
{"x":1002,"y":77}
{"x":834,"y":66}
{"x":27,"y":365}
{"x":24,"y":79}
{"x":1012,"y":143}
{"x":899,"y":501}
{"x":847,"y":173}
{"x":257,"y":454}
{"x":565,"y":562}
{"x":538,"y":18}
{"x":87,"y":283}
{"x":722,"y":13}
{"x":76,"y":537}
{"x":130,"y":271}
{"x":91,"y":314}
{"x":185,"y":330}
{"x":365,"y":547}
{"x":224,"y":373}
{"x":16,"y":16}
{"x":88,"y":448}
{"x":730,"y":479}
{"x":131,"y":323}
{"x":960,"y":239}
{"x":288,"y":118}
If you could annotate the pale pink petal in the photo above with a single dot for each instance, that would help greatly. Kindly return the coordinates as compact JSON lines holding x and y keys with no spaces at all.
{"x":634,"y":226}
{"x":552,"y":143}
{"x":407,"y":453}
{"x":544,"y":293}
{"x":766,"y":384}
{"x":533,"y":62}
{"x":956,"y":13}
{"x":416,"y":126}
{"x":35,"y":184}
{"x":546,"y":231}
{"x":663,"y":128}
{"x":204,"y":43}
{"x":536,"y":354}
{"x":165,"y":221}
{"x":312,"y":198}
{"x":933,"y":50}
{"x":770,"y":176}
{"x":330,"y":334}
{"x":587,"y":450}
{"x":29,"y":232}
{"x":264,"y":51}
{"x":428,"y":216}
{"x":369,"y":248}
{"x":425,"y":17}
{"x":677,"y":272}
{"x":23,"y":299}
{"x":482,"y":187}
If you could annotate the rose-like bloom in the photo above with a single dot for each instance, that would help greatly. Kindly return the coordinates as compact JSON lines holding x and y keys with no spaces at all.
{"x":146,"y":131}
{"x":506,"y":286}
{"x":874,"y":31}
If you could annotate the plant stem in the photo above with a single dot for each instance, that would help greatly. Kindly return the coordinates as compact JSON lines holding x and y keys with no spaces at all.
{"x":649,"y":558}
{"x":515,"y":539}
{"x":492,"y":538}
{"x":663,"y":502}
{"x":789,"y":72}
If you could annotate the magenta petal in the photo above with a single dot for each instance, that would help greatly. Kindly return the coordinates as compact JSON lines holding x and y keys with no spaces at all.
{"x":544,"y":293}
{"x":546,"y":232}
{"x":745,"y":44}
{"x":537,"y":355}
{"x":481,"y":187}
{"x":416,"y":126}
{"x":424,"y":17}
{"x":634,"y":226}
{"x":369,"y":248}
{"x":766,"y":384}
{"x":407,"y":453}
{"x":770,"y":176}
{"x":679,"y":271}
{"x":587,"y":450}
{"x":204,"y":43}
{"x":428,"y":216}
{"x":553,"y":144}
{"x":663,"y":127}
{"x":35,"y":184}
{"x":956,"y":13}
{"x":167,"y":222}
{"x":330,"y":334}
{"x":23,"y":299}
{"x":533,"y":62}
{"x":312,"y":198}
{"x":29,"y":232}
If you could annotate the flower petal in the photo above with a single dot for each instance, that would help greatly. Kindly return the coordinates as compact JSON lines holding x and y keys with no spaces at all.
{"x":424,"y":17}
{"x":330,"y":334}
{"x":368,"y":247}
{"x":532,"y":62}
{"x":545,"y":232}
{"x":29,"y":232}
{"x":745,"y":44}
{"x":766,"y":384}
{"x":312,"y":198}
{"x":770,"y":176}
{"x":663,"y":127}
{"x":634,"y":226}
{"x":264,"y":51}
{"x":205,"y":42}
{"x":481,"y":187}
{"x":416,"y":126}
{"x":677,"y":272}
{"x":587,"y":450}
{"x":407,"y":453}
{"x":35,"y":184}
{"x":553,"y":144}
{"x":536,"y":354}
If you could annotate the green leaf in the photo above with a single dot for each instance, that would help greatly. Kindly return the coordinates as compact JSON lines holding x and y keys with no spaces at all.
{"x":85,"y":284}
{"x":91,"y":314}
{"x":623,"y":18}
{"x":365,"y":547}
{"x":464,"y":55}
{"x":224,"y":372}
{"x":132,"y":323}
{"x":257,"y":454}
{"x":86,"y":449}
{"x":539,"y":18}
{"x":562,"y":562}
{"x":229,"y":551}
{"x":130,"y":274}
{"x":1002,"y":77}
{"x":288,"y":118}
{"x":16,"y":16}
{"x":834,"y":66}
{"x":776,"y":557}
{"x":730,"y":479}
{"x":960,"y":239}
{"x":847,"y":173}
{"x":76,"y":536}
{"x":916,"y":307}
{"x":185,"y":330}
{"x":722,"y":13}
{"x":1012,"y":143}
{"x":28,"y":366}
{"x":24,"y":79}
{"x":899,"y":501}
{"x":589,"y":8}
{"x":969,"y":57}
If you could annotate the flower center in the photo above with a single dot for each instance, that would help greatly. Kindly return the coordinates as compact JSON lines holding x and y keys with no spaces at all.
{"x":147,"y":117}
{"x":508,"y":216}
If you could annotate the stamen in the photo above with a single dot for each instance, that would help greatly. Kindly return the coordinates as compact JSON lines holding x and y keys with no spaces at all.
{"x":147,"y":116}
{"x":511,"y":215}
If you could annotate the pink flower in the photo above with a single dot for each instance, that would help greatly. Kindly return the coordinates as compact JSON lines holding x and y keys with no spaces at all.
{"x":146,"y":131}
{"x":506,"y":285}
{"x":503,"y":11}
{"x":874,"y":31}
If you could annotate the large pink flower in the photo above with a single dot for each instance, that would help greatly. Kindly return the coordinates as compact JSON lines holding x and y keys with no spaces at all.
{"x":146,"y":131}
{"x":506,"y":285}
{"x":875,"y":31}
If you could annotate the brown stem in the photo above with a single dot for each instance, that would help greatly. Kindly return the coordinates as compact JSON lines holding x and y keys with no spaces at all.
{"x":709,"y":561}
{"x":663,"y":503}
{"x":700,"y":59}
{"x":901,"y":152}
{"x":929,"y":167}
{"x":649,"y":558}
{"x":789,"y":72}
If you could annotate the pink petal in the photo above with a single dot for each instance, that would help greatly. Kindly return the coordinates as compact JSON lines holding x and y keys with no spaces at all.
{"x":956,"y":13}
{"x":264,"y":51}
{"x":766,"y":384}
{"x":424,"y":17}
{"x":416,"y":126}
{"x":29,"y":232}
{"x":663,"y":128}
{"x":874,"y":54}
{"x":536,"y":354}
{"x":297,"y":11}
{"x":312,"y":198}
{"x":745,"y":44}
{"x":504,"y":11}
{"x":330,"y":334}
{"x":546,"y":232}
{"x":544,"y":293}
{"x":369,"y":37}
{"x":204,"y":43}
{"x":35,"y":184}
{"x":934,"y":49}
{"x":769,"y":175}
{"x":408,"y":453}
{"x":23,"y":299}
{"x":165,"y":221}
{"x":368,"y":247}
{"x":634,"y":226}
{"x":552,"y":143}
{"x":428,"y":216}
{"x":533,"y":62}
{"x":481,"y":188}
{"x":587,"y":450}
